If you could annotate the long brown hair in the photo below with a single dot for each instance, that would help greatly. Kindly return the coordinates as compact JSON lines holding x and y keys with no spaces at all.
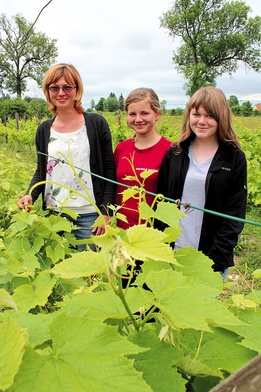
{"x":214,"y":102}
{"x":72,"y":77}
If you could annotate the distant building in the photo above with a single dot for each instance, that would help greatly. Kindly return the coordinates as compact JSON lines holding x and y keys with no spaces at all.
{"x":257,"y":107}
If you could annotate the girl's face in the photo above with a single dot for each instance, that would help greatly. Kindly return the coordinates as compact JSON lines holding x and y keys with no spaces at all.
{"x":203,"y":124}
{"x":141,"y":118}
{"x":62,"y":99}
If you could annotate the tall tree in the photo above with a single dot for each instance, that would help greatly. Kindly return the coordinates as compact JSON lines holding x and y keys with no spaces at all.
{"x":121,"y":102}
{"x":23,"y":53}
{"x":233,"y":101}
{"x":217,"y":36}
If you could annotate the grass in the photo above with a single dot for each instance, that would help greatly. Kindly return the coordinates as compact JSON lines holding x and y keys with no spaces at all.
{"x":247,"y":255}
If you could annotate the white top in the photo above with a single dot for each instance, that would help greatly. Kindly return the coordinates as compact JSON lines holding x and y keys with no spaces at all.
{"x":75,"y":148}
{"x":193,"y":193}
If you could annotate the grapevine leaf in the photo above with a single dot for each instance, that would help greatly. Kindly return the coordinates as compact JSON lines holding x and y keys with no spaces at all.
{"x":168,"y":213}
{"x":241,"y":302}
{"x":159,"y":363}
{"x":7,"y":300}
{"x":81,"y":264}
{"x":121,"y":217}
{"x":12,"y":343}
{"x":196,"y":265}
{"x":257,"y":274}
{"x":55,"y":254}
{"x":106,"y":304}
{"x":30,"y":295}
{"x":252,"y":331}
{"x":145,"y":243}
{"x":188,"y":304}
{"x":218,"y":351}
{"x":37,"y":325}
{"x":129,"y":193}
{"x":106,"y":241}
{"x":84,"y":354}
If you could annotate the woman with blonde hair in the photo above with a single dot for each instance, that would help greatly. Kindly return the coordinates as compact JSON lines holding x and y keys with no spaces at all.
{"x":82,"y":138}
{"x":206,"y":168}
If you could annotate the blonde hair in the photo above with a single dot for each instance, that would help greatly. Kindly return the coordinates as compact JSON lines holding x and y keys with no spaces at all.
{"x":143,"y":93}
{"x":72,"y":77}
{"x":214,"y":102}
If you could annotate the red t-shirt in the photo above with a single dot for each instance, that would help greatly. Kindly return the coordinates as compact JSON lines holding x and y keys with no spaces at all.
{"x":148,"y":159}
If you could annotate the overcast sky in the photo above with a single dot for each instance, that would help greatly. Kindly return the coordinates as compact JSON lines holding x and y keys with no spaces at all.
{"x":118,"y":45}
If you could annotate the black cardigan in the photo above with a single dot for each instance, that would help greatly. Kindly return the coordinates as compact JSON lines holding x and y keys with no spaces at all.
{"x":225,"y":192}
{"x":101,"y":159}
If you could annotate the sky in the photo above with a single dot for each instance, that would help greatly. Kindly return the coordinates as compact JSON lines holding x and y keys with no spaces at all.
{"x":118,"y":45}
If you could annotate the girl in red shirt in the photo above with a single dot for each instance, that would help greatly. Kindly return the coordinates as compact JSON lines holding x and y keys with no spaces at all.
{"x":143,"y":153}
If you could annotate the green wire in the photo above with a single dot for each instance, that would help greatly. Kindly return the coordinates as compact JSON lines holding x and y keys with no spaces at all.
{"x":162,"y":196}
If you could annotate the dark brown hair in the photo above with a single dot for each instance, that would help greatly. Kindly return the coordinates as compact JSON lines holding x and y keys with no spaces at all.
{"x":214,"y":102}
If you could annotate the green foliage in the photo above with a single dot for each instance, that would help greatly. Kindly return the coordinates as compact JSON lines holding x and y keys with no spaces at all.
{"x":10,"y":107}
{"x":233,"y":101}
{"x":58,"y":296}
{"x":38,"y":107}
{"x":23,"y":53}
{"x":246,"y":109}
{"x":256,"y":112}
{"x":121,"y":102}
{"x":216,"y":36}
{"x":251,"y":145}
{"x":236,"y":110}
{"x":15,"y":175}
{"x":111,"y":104}
{"x":27,"y":107}
{"x":100,"y":105}
{"x":66,"y":322}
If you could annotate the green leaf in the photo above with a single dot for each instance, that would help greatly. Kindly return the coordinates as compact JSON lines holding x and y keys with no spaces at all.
{"x":81,"y":264}
{"x":37,"y":325}
{"x":195,"y":264}
{"x":105,"y":304}
{"x":146,"y":243}
{"x":7,"y":300}
{"x":55,"y":254}
{"x":187,"y":304}
{"x":168,"y":213}
{"x":28,"y":296}
{"x":12,"y":342}
{"x":241,"y":302}
{"x":217,"y":351}
{"x":257,"y":274}
{"x":108,"y":240}
{"x":251,"y":331}
{"x":158,"y":364}
{"x":85,"y":355}
{"x":129,"y":193}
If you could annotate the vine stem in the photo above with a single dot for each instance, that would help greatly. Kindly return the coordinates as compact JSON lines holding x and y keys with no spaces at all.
{"x":121,"y":295}
{"x":198,"y":348}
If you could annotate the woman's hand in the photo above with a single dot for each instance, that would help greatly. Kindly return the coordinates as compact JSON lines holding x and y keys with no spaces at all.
{"x":99,"y":230}
{"x":25,"y":202}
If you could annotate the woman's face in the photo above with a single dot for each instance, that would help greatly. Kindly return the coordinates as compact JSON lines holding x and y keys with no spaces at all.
{"x":141,"y":118}
{"x":62,"y":98}
{"x":203,"y":124}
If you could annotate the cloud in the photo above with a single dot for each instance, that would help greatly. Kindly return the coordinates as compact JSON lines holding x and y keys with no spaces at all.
{"x":118,"y":45}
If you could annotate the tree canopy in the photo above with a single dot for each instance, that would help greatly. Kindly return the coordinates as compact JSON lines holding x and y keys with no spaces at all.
{"x":216,"y":35}
{"x":23,"y":54}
